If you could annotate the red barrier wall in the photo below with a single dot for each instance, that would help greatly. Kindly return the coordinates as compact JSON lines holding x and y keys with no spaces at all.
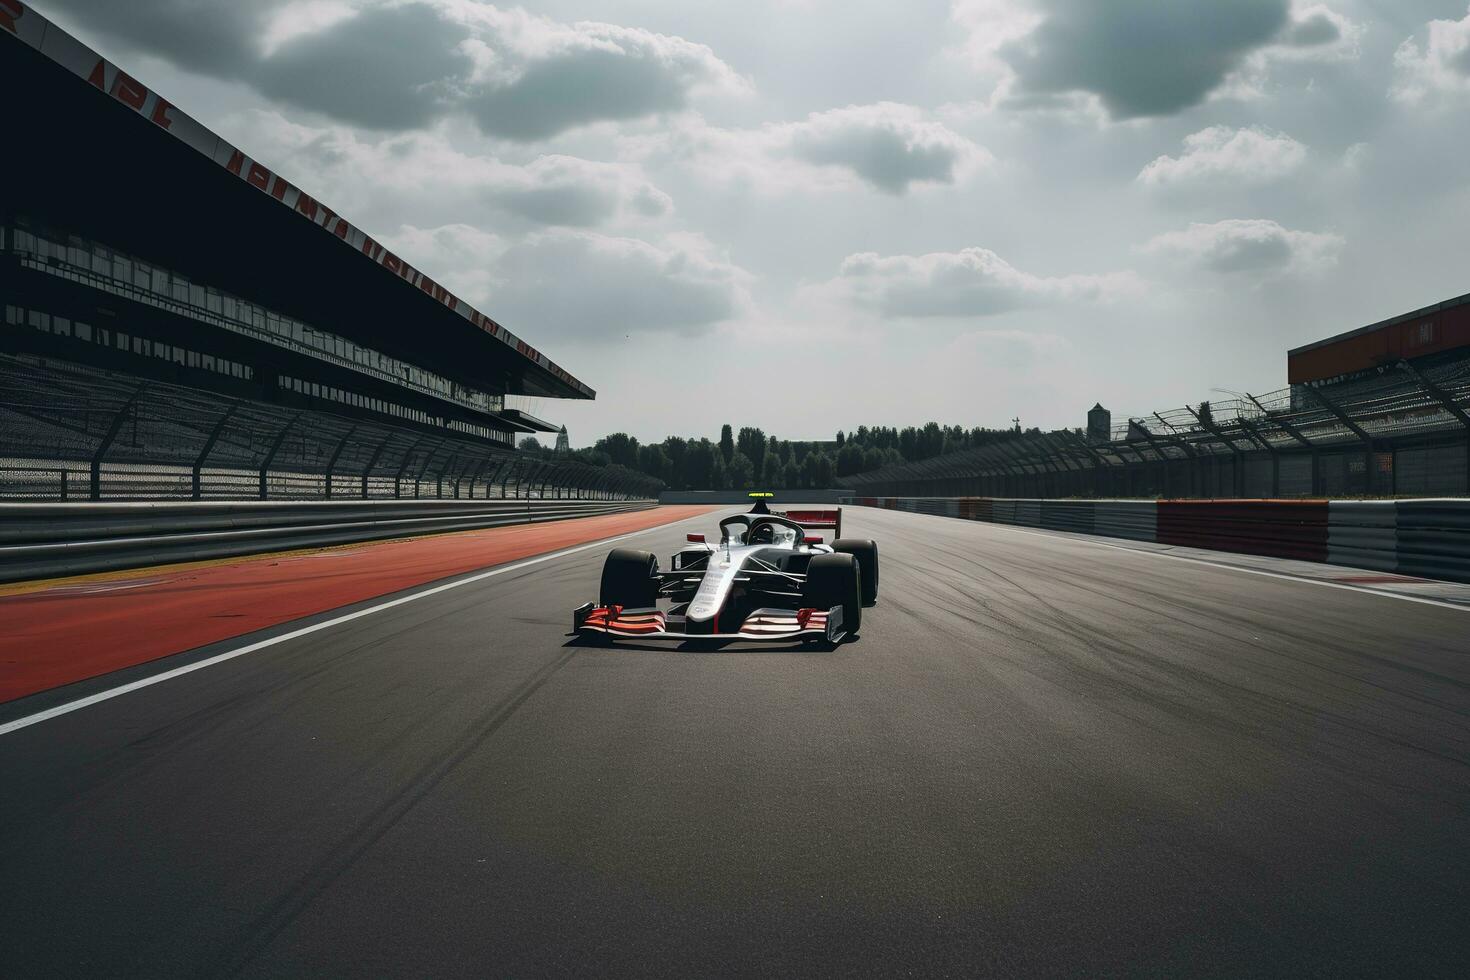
{"x":976,"y":509}
{"x":1277,"y":528}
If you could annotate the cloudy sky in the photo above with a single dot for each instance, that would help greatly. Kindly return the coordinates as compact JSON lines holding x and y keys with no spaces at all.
{"x":810,"y":214}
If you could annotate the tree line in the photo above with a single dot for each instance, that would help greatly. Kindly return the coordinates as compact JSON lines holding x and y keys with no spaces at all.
{"x":750,"y":459}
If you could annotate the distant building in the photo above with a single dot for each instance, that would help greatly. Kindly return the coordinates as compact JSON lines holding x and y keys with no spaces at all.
{"x":563,"y":442}
{"x":1424,"y":337}
{"x":1099,"y":425}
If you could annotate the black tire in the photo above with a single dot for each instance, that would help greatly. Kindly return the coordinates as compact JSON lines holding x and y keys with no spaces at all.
{"x":835,"y":580}
{"x":866,"y":553}
{"x":627,"y":580}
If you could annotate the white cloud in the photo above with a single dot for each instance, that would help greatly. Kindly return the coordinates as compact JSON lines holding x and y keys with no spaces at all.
{"x":283,"y":24}
{"x":967,"y":283}
{"x":1439,"y":68}
{"x":1221,"y":155}
{"x":885,"y":146}
{"x":1249,"y":246}
{"x":563,"y":286}
{"x":1081,"y":46}
{"x":1317,"y":32}
{"x":988,"y":27}
{"x":535,"y":77}
{"x":402,"y":64}
{"x":421,"y":177}
{"x":1315,"y":35}
{"x":1085,"y":57}
{"x":584,"y":286}
{"x":889,"y":146}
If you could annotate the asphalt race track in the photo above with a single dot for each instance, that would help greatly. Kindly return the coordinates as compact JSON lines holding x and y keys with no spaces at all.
{"x":1040,"y":757}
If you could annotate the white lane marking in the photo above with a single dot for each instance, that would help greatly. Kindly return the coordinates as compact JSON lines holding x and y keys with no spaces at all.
{"x":100,"y":696}
{"x":1085,"y":539}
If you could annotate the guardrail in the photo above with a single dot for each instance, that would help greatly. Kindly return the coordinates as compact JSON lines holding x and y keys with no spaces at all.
{"x":1428,"y":538}
{"x":45,"y":540}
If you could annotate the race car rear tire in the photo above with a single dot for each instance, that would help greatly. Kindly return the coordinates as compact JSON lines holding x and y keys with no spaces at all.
{"x":866,"y":553}
{"x":835,"y":580}
{"x":627,"y":579}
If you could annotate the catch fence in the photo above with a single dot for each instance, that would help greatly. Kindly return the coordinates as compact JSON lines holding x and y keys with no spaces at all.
{"x":1401,"y":433}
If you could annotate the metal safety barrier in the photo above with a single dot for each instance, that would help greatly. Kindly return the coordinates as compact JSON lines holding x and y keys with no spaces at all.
{"x":1427,"y":538}
{"x":47,"y":540}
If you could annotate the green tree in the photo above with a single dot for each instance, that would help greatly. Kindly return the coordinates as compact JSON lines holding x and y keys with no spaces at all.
{"x":651,"y":460}
{"x":822,"y":478}
{"x":530,"y":444}
{"x":773,"y":476}
{"x":849,"y":459}
{"x":621,"y":448}
{"x":740,"y":472}
{"x":727,"y":442}
{"x":677,"y":451}
{"x":908,"y":443}
{"x":701,"y":460}
{"x":752,"y":442}
{"x":591,"y":457}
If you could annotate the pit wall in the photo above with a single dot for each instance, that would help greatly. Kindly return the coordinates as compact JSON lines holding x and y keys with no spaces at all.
{"x":1429,"y":538}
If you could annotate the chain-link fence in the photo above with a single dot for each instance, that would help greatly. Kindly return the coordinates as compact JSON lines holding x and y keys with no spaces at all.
{"x":68,"y":432}
{"x":1403,"y":432}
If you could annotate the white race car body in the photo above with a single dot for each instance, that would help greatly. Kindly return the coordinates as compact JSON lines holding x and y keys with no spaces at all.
{"x":738,"y":589}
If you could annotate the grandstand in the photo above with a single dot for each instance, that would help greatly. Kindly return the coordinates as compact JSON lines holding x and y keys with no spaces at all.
{"x":180,"y":319}
{"x":1379,"y":411}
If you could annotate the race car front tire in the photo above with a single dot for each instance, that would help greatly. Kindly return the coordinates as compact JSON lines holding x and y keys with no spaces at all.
{"x":627,"y":579}
{"x":866,"y":553}
{"x":835,"y":580}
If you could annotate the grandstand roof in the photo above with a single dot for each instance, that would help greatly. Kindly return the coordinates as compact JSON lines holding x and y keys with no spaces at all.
{"x":1431,"y":330}
{"x":100,"y":154}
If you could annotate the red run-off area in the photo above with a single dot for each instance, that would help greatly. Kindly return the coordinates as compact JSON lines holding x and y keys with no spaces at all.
{"x":75,"y":629}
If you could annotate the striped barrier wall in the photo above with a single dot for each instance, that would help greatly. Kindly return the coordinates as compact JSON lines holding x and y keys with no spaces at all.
{"x":1428,"y":538}
{"x":1137,"y":520}
{"x":1276,"y":528}
{"x":1434,"y":538}
{"x":1069,"y":515}
{"x":1363,"y":534}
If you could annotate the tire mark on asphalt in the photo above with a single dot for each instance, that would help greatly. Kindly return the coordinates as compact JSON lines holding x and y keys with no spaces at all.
{"x":1129,"y":670}
{"x":146,"y":752}
{"x":274,"y":920}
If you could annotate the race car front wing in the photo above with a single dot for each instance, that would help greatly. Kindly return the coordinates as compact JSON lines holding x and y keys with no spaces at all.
{"x":762,"y":624}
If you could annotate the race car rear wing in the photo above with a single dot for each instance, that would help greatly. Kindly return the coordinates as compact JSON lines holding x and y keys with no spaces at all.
{"x":817,"y":519}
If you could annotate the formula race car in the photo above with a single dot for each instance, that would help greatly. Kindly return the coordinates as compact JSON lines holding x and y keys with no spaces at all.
{"x":769,"y":578}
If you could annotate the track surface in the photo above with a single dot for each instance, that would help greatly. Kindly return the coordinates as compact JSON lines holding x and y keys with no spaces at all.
{"x":1040,"y":757}
{"x":65,"y":631}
